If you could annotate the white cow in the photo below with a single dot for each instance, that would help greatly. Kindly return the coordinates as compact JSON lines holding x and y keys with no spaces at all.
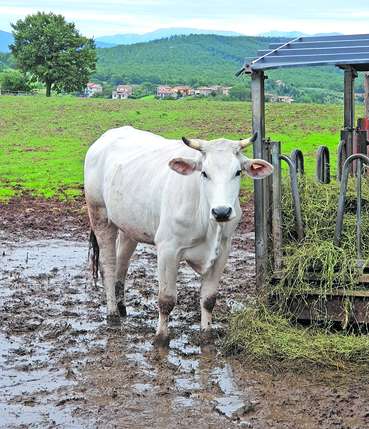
{"x":183,"y":198}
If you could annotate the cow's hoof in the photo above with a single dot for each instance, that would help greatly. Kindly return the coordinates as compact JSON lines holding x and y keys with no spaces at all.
{"x":207,"y":338}
{"x":161,"y":341}
{"x":113,"y":320}
{"x":122,"y":309}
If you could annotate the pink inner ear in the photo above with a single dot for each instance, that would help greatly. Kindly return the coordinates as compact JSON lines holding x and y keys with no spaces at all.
{"x":259,"y":170}
{"x":181,"y":167}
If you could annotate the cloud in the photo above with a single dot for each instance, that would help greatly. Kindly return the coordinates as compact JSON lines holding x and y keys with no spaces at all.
{"x":98,"y":17}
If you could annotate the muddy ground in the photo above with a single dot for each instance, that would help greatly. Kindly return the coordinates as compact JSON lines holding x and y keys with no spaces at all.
{"x":62,"y":367}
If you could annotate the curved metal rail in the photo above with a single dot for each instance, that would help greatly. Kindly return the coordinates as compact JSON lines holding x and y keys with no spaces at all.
{"x":322,"y":172}
{"x":295,"y":196}
{"x":341,"y":157}
{"x":297,"y":158}
{"x":361,"y":158}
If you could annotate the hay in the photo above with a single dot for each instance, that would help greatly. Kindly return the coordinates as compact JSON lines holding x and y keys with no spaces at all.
{"x":273,"y":336}
{"x":335,"y":267}
{"x":266,"y":337}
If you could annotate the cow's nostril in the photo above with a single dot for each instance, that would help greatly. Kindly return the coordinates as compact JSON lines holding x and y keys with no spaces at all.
{"x":221,"y":214}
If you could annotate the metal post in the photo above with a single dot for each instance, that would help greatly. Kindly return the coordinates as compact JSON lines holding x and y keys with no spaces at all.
{"x":349,"y":108}
{"x":277,"y":210}
{"x":366,"y":94}
{"x":260,"y":191}
{"x":358,"y":208}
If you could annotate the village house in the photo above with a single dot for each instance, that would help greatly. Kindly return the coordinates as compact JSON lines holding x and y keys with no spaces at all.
{"x":183,"y":90}
{"x":92,"y":89}
{"x":122,"y":92}
{"x":224,"y":90}
{"x":206,"y":91}
{"x":178,"y":91}
{"x":164,"y":91}
{"x":279,"y":98}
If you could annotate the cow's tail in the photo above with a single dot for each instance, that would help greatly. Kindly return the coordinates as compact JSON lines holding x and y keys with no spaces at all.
{"x":94,"y":251}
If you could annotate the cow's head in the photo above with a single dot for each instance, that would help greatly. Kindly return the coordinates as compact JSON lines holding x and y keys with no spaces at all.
{"x":221,"y":165}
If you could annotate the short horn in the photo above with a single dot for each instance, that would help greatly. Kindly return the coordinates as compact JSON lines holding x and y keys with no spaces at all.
{"x":246,"y":142}
{"x":191,"y":143}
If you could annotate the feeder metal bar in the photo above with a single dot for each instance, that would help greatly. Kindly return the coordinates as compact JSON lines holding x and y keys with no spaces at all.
{"x":276,"y":200}
{"x":341,"y":157}
{"x":342,"y":198}
{"x":358,"y":207}
{"x":323,"y":174}
{"x":297,"y":158}
{"x":295,"y":196}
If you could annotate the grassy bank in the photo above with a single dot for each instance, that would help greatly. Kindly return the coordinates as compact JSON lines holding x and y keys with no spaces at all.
{"x":43,"y":141}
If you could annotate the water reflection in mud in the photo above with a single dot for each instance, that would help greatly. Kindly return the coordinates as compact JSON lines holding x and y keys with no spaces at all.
{"x":55,"y":346}
{"x":62,"y":367}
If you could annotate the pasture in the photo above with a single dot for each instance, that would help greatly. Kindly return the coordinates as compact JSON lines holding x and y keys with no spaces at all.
{"x":62,"y":366}
{"x":43,"y":142}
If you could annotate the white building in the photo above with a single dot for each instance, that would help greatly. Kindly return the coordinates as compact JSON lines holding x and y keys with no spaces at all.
{"x":122,"y":92}
{"x":92,"y":89}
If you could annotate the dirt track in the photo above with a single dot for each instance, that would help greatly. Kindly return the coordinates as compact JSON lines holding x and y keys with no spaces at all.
{"x":61,"y":366}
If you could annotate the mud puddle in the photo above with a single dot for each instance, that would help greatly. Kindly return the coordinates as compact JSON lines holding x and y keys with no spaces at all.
{"x":62,"y":367}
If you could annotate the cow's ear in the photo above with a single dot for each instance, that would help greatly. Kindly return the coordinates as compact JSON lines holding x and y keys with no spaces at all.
{"x":185,"y":166}
{"x":257,"y":168}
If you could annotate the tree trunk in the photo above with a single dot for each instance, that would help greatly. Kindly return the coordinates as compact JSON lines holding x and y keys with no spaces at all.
{"x":48,"y":89}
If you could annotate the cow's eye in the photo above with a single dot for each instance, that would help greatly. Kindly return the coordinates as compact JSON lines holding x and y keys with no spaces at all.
{"x":203,"y":174}
{"x":238,"y":173}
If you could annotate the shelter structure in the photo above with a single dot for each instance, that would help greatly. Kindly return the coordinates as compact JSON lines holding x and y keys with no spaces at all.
{"x":348,"y":52}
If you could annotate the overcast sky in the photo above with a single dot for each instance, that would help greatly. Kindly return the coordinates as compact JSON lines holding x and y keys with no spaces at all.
{"x":105,"y":17}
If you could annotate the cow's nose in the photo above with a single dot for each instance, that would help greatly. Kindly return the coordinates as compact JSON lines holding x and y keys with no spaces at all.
{"x":221,"y":214}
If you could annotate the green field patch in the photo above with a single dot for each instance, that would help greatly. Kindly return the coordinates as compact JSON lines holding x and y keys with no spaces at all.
{"x":43,"y":141}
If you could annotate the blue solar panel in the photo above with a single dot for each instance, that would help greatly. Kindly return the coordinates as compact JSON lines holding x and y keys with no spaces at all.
{"x":342,"y":51}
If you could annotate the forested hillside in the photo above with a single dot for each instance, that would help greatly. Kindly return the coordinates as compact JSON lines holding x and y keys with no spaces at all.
{"x":211,"y":59}
{"x":194,"y":59}
{"x":199,"y":60}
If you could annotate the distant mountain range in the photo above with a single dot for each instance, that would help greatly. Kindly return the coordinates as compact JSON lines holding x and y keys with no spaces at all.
{"x":129,"y":39}
{"x":6,"y":38}
{"x":294,"y":34}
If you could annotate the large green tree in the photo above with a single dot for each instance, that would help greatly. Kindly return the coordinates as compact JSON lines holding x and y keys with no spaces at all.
{"x":53,"y":51}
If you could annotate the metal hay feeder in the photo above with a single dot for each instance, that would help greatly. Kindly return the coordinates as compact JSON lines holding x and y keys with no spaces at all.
{"x":351,"y":54}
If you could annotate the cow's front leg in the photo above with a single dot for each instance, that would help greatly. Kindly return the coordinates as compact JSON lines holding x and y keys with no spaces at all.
{"x":168,"y":268}
{"x":209,"y":287}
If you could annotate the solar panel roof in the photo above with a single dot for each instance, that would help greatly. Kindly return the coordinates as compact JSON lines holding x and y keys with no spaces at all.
{"x":342,"y":51}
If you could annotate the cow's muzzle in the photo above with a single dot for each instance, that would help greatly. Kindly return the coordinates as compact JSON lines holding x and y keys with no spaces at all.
{"x":222,"y":214}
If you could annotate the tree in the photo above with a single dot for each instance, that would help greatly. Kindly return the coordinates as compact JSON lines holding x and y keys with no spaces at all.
{"x":240,"y":92}
{"x":53,"y":51}
{"x":14,"y":80}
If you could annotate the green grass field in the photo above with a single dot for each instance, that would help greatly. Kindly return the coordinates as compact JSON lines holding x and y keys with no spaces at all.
{"x":43,"y":141}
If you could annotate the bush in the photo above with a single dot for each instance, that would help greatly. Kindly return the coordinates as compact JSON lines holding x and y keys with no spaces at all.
{"x":14,"y":80}
{"x":240,"y":92}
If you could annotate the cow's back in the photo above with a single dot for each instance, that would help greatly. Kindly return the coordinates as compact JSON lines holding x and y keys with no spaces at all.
{"x":126,"y":171}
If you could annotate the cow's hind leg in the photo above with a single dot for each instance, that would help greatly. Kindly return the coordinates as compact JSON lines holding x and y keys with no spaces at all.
{"x":168,"y":267}
{"x":106,"y":235}
{"x":125,"y":248}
